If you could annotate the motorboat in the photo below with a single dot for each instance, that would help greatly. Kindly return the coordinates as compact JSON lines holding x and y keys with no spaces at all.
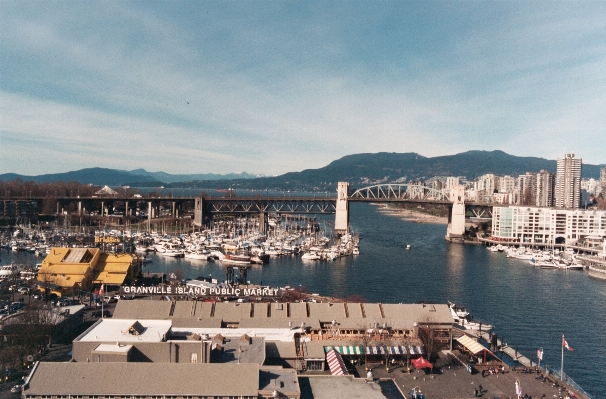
{"x":8,"y":271}
{"x":238,"y":259}
{"x":311,"y":255}
{"x":198,"y":255}
{"x":465,"y":320}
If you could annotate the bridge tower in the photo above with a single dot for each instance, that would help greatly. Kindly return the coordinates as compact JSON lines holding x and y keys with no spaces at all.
{"x":342,"y":209}
{"x":456,"y":214}
{"x":198,"y":212}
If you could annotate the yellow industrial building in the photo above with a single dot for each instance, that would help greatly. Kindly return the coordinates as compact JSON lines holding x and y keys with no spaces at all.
{"x":68,"y":268}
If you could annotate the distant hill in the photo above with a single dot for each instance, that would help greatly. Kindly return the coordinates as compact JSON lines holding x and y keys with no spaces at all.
{"x":116,"y":177}
{"x":168,"y":178}
{"x":365,"y":169}
{"x":359,"y":170}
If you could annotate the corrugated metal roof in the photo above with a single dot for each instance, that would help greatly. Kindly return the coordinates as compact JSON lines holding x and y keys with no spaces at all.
{"x":141,"y":379}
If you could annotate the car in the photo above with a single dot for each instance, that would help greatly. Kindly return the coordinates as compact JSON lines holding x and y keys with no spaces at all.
{"x":64,"y":302}
{"x":37,"y":295}
{"x":16,"y":389}
{"x":23,"y":290}
{"x":15,"y":306}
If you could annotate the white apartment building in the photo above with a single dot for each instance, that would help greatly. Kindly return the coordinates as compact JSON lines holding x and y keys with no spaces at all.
{"x":488,"y":183}
{"x":592,"y":186}
{"x":528,"y":225}
{"x":451,"y":181}
{"x":507,"y":184}
{"x":568,"y":182}
{"x":527,"y":187}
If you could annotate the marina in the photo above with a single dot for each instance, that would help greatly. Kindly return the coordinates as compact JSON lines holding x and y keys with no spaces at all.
{"x":529,"y":307}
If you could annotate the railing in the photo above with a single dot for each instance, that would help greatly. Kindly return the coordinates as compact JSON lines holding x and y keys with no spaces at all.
{"x":566,"y":379}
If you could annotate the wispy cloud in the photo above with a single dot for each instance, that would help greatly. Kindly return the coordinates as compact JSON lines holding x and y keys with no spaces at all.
{"x":276,"y":87}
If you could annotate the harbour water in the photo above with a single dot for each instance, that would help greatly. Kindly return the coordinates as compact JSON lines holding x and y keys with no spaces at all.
{"x":530,"y":307}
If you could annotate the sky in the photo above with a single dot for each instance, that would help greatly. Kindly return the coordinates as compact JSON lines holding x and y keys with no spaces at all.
{"x":270,"y":87}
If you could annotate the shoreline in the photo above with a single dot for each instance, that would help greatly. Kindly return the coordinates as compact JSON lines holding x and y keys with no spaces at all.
{"x":410,"y":215}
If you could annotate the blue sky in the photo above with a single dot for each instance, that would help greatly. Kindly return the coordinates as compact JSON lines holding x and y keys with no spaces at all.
{"x":278,"y":86}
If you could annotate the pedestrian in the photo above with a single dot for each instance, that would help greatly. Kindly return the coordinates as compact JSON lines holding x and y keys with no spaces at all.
{"x":475,"y":393}
{"x":480,"y":388}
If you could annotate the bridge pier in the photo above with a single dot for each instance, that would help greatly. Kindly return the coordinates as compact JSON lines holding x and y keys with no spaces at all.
{"x":456,"y":214}
{"x":262,"y":222}
{"x":198,"y":214}
{"x":342,"y":210}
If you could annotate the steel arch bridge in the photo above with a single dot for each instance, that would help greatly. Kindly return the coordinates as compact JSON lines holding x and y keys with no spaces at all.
{"x":406,"y":192}
{"x":288,"y":205}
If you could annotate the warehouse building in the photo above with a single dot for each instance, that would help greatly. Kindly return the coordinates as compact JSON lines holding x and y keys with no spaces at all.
{"x":180,"y":346}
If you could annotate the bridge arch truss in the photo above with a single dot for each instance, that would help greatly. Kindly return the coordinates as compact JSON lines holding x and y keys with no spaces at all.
{"x":411,"y":192}
{"x":287,"y":205}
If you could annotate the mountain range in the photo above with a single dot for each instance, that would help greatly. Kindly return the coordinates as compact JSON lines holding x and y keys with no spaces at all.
{"x":117,"y":177}
{"x":358,"y":169}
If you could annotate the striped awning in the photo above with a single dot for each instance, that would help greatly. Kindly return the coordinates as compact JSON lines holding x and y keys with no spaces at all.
{"x":346,"y":350}
{"x":335,"y":363}
{"x":377,"y":350}
{"x":471,"y":344}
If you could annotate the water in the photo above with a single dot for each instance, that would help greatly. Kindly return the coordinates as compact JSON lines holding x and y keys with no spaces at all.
{"x":530,"y":307}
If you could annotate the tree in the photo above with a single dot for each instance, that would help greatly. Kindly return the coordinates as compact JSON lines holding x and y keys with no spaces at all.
{"x":427,"y":335}
{"x":527,"y":197}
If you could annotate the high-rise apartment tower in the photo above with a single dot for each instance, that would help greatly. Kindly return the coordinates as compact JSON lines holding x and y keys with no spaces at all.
{"x":545,"y":188}
{"x":568,"y":182}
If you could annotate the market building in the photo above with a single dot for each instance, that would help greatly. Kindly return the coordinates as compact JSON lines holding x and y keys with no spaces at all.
{"x":67,"y":268}
{"x":248,"y":349}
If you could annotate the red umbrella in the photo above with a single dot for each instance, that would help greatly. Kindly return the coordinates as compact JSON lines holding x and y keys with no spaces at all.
{"x":422,"y":363}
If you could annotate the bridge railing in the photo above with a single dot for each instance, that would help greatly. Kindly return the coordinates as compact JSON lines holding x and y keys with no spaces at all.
{"x":400,"y":191}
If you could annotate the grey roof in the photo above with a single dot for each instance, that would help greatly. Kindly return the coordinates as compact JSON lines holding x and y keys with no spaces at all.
{"x":343,"y":387}
{"x":234,"y":351}
{"x":280,"y":350}
{"x":278,"y":379}
{"x":142,"y":379}
{"x":278,"y":315}
{"x":184,"y":309}
{"x":142,"y":309}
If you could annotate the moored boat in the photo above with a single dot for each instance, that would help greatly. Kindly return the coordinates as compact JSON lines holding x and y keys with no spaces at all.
{"x":465,"y":320}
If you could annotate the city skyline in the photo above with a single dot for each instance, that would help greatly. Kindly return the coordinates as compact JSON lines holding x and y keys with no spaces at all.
{"x":270,"y":88}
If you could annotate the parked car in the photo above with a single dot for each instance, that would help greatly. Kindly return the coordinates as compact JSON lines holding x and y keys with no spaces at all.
{"x":15,"y":306}
{"x":63,"y":302}
{"x":23,"y":290}
{"x":16,"y":389}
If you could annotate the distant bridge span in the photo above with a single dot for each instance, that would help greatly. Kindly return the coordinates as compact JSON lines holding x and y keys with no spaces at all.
{"x":206,"y":207}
